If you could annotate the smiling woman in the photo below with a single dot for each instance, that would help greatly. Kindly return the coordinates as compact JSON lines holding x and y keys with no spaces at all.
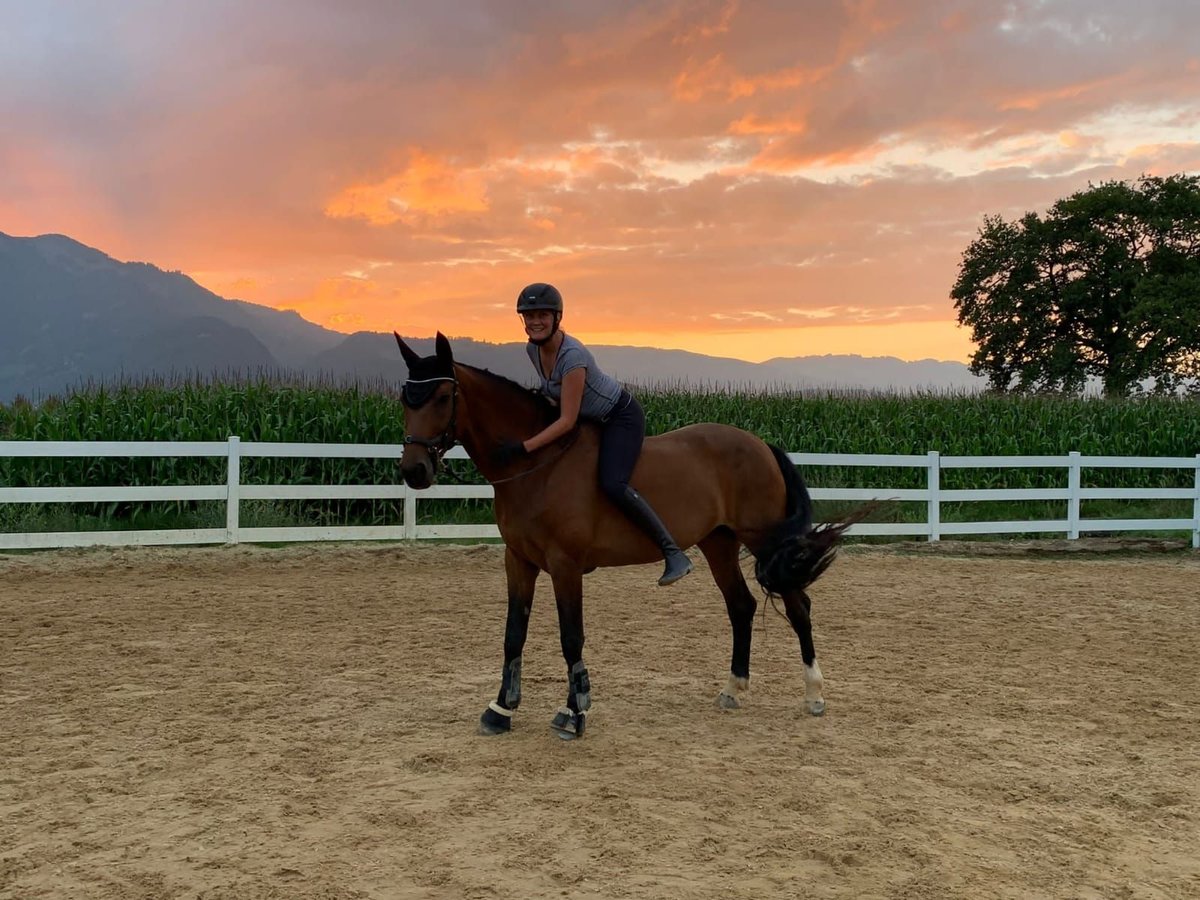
{"x":581,"y":390}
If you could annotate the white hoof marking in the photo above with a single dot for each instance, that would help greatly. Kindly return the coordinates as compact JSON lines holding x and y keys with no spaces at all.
{"x":728,"y":698}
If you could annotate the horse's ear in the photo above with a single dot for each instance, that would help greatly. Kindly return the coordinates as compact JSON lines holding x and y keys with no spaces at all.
{"x":410,"y":356}
{"x":442,"y":346}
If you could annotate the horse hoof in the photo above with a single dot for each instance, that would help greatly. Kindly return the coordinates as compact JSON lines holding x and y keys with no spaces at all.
{"x":816,"y":707}
{"x":568,"y":724}
{"x":728,"y":701}
{"x":491,"y":722}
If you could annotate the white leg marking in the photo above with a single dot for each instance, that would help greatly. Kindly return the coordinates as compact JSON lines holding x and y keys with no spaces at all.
{"x":737,"y":685}
{"x":813,"y":684}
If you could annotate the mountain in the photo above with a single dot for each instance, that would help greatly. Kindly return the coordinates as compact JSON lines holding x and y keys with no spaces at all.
{"x":875,"y":373}
{"x":72,"y":315}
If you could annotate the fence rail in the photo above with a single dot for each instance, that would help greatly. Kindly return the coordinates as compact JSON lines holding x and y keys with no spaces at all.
{"x":232,"y":492}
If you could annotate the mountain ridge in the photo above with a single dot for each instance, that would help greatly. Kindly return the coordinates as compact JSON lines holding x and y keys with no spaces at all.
{"x":74,"y":315}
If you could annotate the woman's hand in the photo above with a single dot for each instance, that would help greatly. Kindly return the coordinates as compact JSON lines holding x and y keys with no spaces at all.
{"x":508,"y":451}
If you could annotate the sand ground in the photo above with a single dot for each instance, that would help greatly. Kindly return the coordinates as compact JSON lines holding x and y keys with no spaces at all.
{"x":300,"y":723}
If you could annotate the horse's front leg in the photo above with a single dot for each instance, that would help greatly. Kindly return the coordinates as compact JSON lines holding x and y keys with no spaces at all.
{"x":522,"y":576}
{"x":570,"y":719}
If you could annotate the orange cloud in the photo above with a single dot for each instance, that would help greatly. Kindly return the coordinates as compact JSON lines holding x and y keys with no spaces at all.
{"x":716,"y":75}
{"x":753,"y":124}
{"x":786,"y":155}
{"x":706,"y":30}
{"x":783,"y":79}
{"x":1035,"y":100}
{"x":870,"y":16}
{"x":341,"y":303}
{"x":427,"y":186}
{"x":699,"y":79}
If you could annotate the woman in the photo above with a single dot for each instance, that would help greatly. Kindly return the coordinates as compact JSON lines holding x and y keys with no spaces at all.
{"x":573,"y":381}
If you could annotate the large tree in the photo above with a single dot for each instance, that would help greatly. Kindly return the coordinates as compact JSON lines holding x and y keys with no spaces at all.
{"x":1105,"y":285}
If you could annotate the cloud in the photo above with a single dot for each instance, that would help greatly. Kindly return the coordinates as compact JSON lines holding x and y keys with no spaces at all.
{"x":427,"y":186}
{"x":655,"y":159}
{"x":745,"y":315}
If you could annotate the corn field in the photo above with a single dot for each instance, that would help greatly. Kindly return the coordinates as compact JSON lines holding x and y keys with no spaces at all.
{"x":818,"y":422}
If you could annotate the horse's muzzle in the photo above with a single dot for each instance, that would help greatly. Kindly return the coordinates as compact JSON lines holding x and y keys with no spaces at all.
{"x":418,"y":468}
{"x":418,"y":474}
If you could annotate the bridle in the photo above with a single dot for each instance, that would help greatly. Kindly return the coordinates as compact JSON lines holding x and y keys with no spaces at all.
{"x":418,"y":397}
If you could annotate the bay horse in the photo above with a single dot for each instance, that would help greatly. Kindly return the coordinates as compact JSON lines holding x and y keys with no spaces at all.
{"x":715,"y":486}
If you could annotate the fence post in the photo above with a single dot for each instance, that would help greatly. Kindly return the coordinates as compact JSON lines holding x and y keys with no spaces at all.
{"x":233,"y":483}
{"x":934,"y":480}
{"x":1196,"y":509}
{"x":1074,"y":480}
{"x":410,"y":513}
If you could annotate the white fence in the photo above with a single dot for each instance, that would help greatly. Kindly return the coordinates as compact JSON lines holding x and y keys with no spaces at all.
{"x":232,"y":492}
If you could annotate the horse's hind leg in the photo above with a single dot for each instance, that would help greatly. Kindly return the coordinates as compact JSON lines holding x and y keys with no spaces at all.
{"x":721,"y":549}
{"x":798,"y":608}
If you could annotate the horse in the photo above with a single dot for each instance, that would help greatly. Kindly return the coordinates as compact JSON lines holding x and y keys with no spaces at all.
{"x":715,"y":486}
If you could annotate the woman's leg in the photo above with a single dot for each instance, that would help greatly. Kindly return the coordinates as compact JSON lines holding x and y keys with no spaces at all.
{"x":620,"y":443}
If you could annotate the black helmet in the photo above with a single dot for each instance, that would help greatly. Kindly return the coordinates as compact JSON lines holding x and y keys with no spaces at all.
{"x":539,"y":296}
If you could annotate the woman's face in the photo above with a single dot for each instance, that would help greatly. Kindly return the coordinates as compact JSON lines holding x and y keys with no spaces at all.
{"x":539,"y":323}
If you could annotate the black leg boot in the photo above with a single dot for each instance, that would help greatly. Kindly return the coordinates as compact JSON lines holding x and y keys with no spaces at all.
{"x":634,"y":505}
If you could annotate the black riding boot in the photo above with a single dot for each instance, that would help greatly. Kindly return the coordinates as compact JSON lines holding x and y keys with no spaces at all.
{"x":634,"y":505}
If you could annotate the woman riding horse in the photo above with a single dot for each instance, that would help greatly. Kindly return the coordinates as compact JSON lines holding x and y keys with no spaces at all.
{"x":720,"y":488}
{"x":576,"y":385}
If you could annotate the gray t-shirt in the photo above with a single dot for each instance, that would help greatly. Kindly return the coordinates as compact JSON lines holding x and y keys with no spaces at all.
{"x":600,"y":391}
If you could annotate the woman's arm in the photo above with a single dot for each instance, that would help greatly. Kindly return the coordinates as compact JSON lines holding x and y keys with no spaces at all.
{"x":568,"y":411}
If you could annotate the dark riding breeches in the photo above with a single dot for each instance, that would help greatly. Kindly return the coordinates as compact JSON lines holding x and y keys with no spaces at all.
{"x":621,"y":437}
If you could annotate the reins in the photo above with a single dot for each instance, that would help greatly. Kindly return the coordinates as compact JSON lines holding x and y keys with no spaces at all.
{"x":545,"y":462}
{"x":441,"y":444}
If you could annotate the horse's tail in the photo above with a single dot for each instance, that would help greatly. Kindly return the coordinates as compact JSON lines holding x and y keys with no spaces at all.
{"x":795,"y":554}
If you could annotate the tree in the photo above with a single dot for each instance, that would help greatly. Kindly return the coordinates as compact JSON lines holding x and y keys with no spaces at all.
{"x":1105,"y":285}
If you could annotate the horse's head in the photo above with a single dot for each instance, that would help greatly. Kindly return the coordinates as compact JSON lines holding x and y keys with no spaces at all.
{"x":430,"y":397}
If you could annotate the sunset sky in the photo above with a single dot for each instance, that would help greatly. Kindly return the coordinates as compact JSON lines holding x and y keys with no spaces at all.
{"x":747,"y":179}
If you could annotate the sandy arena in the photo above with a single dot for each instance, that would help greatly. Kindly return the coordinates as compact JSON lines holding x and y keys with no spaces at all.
{"x":300,"y":723}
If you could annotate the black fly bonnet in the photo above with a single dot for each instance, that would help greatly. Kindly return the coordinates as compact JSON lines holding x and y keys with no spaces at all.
{"x":424,"y":376}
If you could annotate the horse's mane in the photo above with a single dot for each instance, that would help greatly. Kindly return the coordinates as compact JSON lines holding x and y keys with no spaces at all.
{"x":544,"y":408}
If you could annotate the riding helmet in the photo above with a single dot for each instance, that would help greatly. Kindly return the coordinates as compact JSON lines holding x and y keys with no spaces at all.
{"x":539,"y":296}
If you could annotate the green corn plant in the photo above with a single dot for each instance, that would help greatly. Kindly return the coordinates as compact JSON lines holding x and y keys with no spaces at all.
{"x":292,"y":409}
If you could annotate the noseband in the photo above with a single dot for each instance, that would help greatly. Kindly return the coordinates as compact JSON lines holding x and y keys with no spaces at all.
{"x":416,"y":394}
